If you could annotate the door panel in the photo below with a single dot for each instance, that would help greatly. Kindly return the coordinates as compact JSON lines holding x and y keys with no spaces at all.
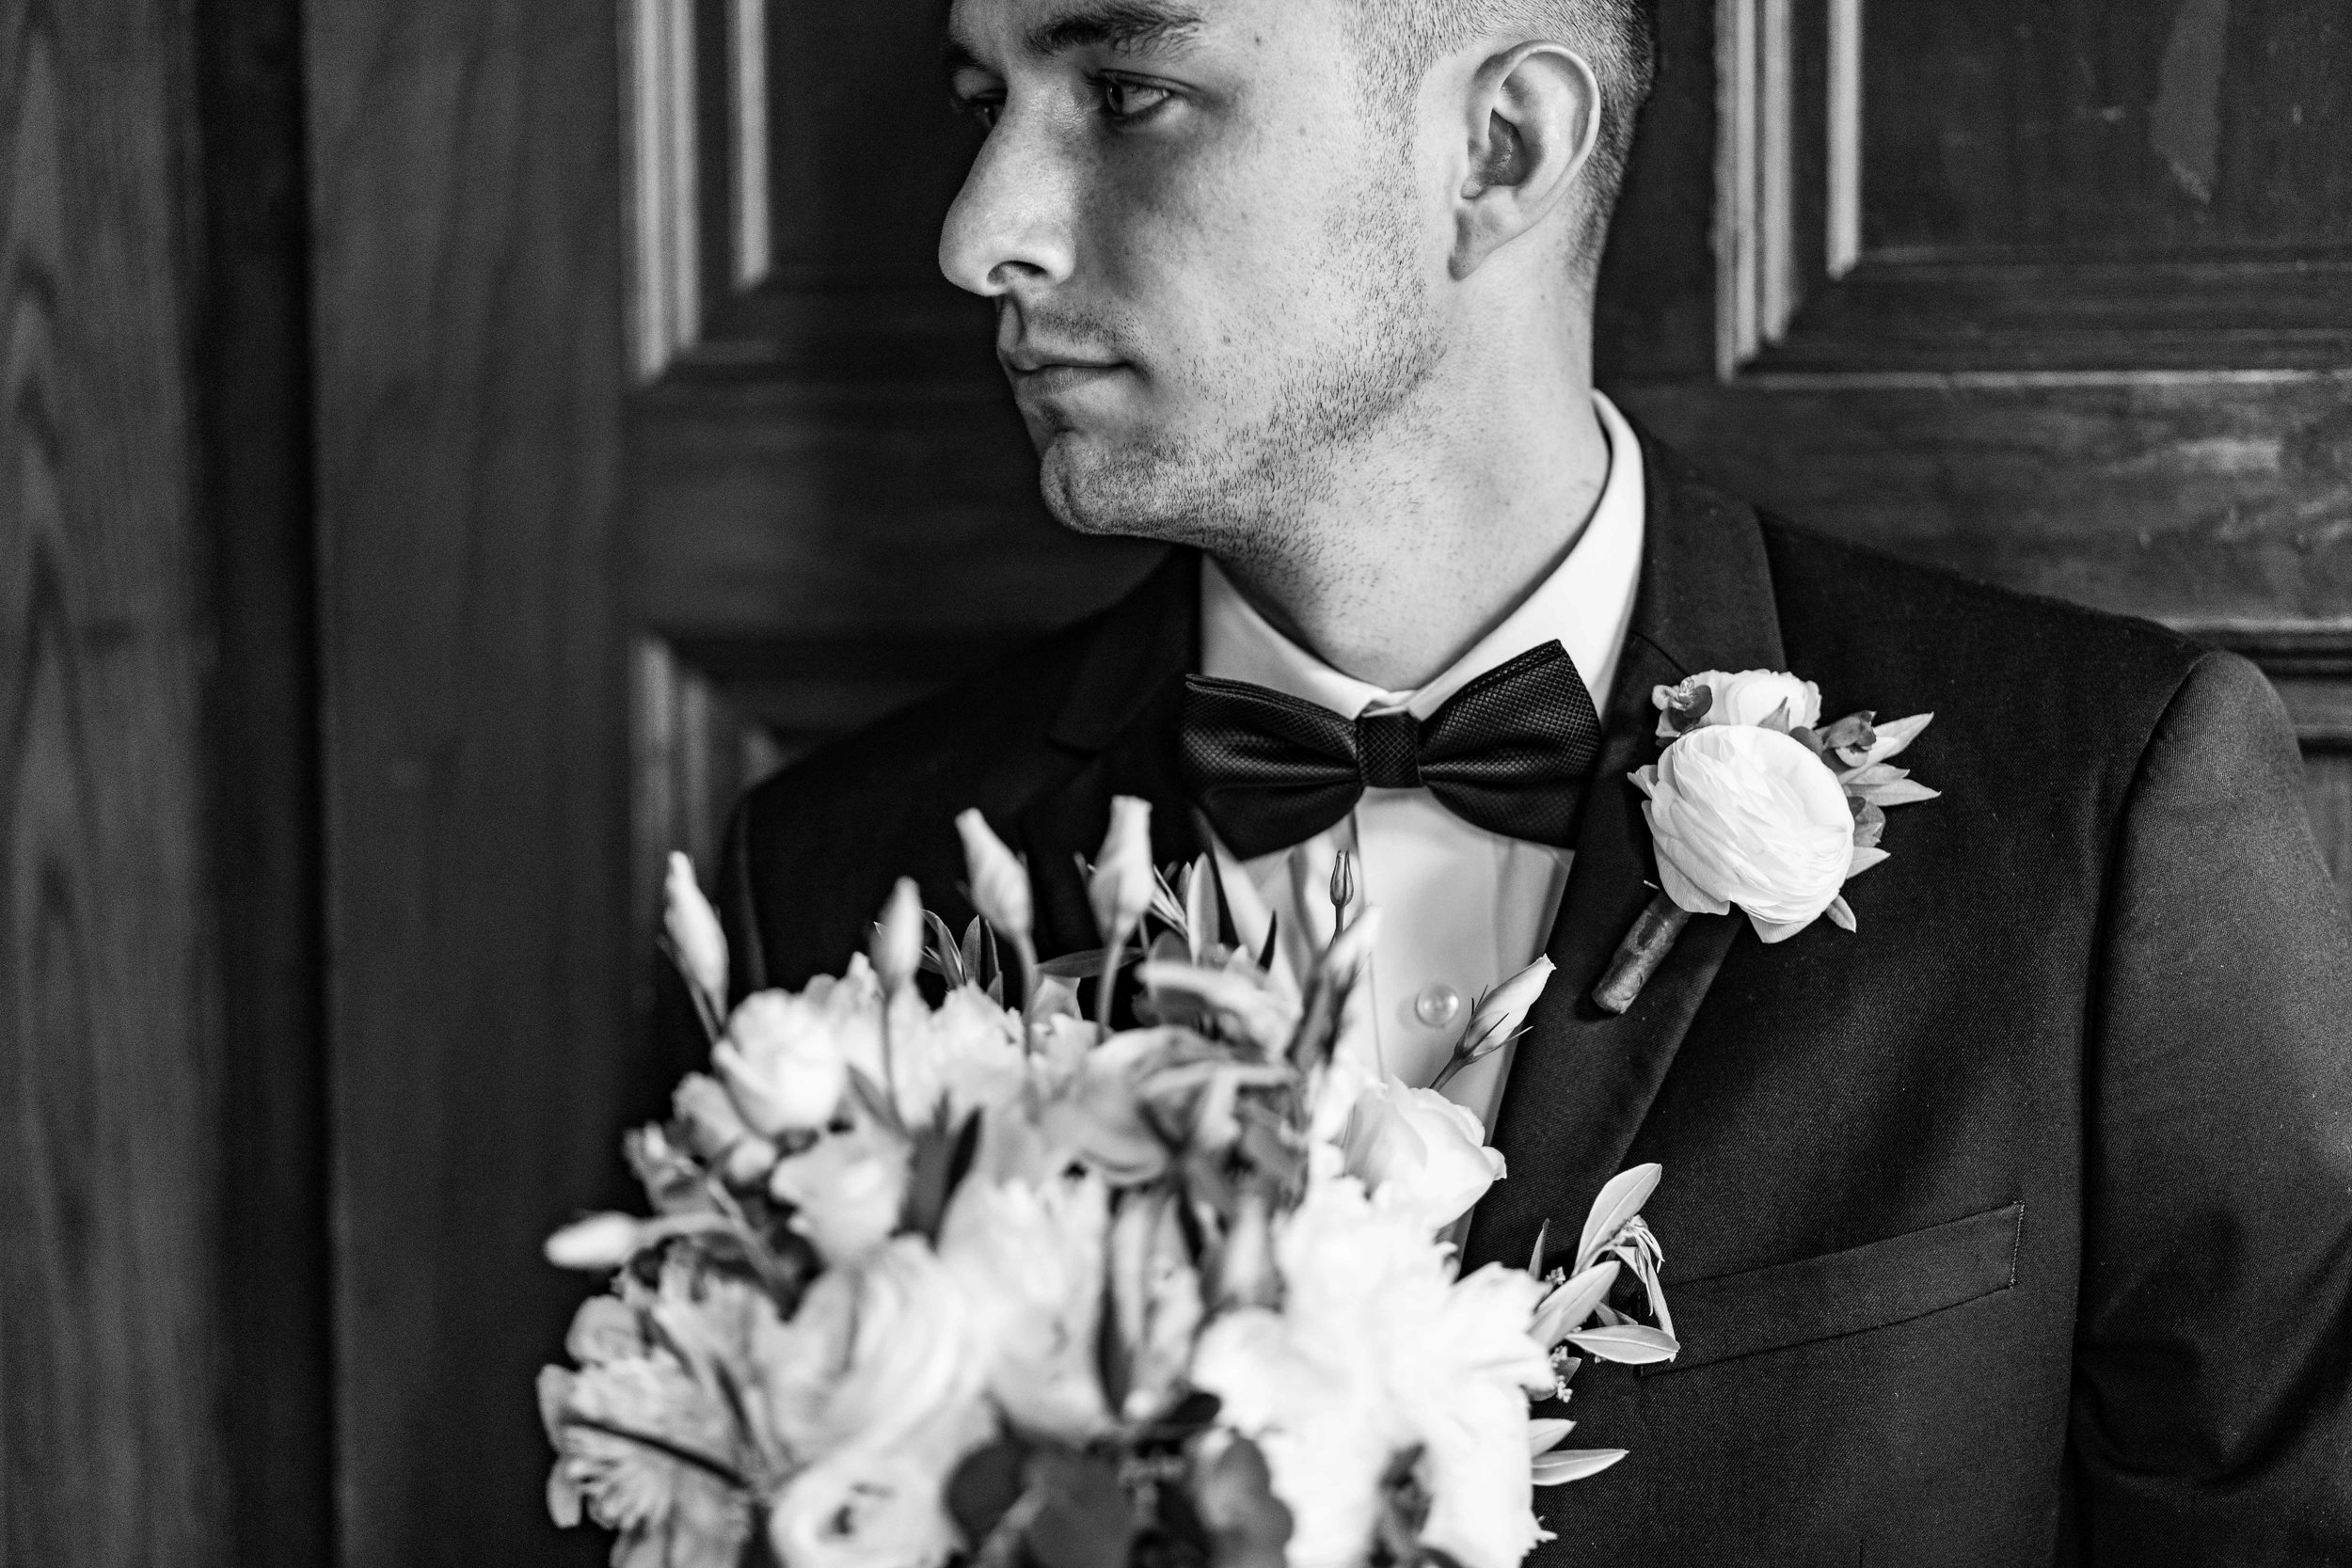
{"x":2047,"y":293}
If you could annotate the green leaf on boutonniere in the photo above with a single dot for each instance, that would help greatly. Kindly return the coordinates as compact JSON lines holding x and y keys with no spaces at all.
{"x":1840,"y":912}
{"x":1886,"y":741}
{"x":1869,"y":822}
{"x":1850,"y":733}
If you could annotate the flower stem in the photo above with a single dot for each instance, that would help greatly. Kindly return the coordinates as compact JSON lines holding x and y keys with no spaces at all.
{"x":1639,"y":955}
{"x":1104,"y":988}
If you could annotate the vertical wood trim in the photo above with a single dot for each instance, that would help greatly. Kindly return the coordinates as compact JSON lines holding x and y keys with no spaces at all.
{"x":1845,"y":137}
{"x":1756,"y":281}
{"x":266,"y":847}
{"x":1775,"y":133}
{"x":1736,"y":337}
{"x":747,"y":33}
{"x":665,"y":182}
{"x":465,"y":165}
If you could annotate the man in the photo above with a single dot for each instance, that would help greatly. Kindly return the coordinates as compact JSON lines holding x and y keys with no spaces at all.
{"x":2011,"y":1228}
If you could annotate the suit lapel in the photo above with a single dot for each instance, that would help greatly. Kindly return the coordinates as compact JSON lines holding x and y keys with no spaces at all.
{"x":1121,"y":720}
{"x":1581,"y":1082}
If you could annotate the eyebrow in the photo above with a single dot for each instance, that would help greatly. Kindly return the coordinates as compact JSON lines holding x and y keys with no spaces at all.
{"x":1124,"y":27}
{"x":1129,"y":27}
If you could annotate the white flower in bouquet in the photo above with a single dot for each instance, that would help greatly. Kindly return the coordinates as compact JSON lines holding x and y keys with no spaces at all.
{"x":848,"y":1190}
{"x":866,"y":1507}
{"x":786,"y":1058}
{"x":1377,"y":1349}
{"x":642,"y":1445}
{"x":1030,"y":1256}
{"x":1749,"y":817}
{"x":875,"y":1384}
{"x":1417,"y":1151}
{"x":965,"y":1053}
{"x":1754,"y":697}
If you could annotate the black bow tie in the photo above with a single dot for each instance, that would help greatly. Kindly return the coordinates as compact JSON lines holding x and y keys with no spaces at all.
{"x":1509,"y":753}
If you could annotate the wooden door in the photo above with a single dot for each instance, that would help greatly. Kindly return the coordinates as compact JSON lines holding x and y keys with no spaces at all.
{"x":2055,"y":295}
{"x":2058,"y":294}
{"x":163,"y":1240}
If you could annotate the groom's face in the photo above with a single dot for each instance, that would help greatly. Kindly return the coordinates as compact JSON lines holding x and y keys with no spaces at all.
{"x":1212,"y":262}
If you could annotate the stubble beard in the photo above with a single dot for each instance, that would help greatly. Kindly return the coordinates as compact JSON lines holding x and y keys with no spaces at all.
{"x":1248,"y":494}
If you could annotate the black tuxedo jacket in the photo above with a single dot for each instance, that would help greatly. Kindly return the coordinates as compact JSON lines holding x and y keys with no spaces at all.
{"x":2015,"y":1228}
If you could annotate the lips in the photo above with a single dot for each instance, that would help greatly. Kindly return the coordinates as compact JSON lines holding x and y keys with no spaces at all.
{"x":1030,"y":361}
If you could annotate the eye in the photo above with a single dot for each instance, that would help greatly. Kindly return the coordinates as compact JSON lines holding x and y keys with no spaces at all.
{"x":978,"y":95}
{"x":1125,"y":100}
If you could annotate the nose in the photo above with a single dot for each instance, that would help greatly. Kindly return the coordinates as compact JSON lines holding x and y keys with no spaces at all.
{"x":1011,"y":223}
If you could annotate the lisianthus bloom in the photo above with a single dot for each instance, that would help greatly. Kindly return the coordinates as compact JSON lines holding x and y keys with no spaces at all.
{"x":1376,"y":1350}
{"x":847,"y":1190}
{"x":1415,"y":1149}
{"x":1751,"y":818}
{"x":1747,"y":697}
{"x":786,"y":1057}
{"x":1029,"y":1258}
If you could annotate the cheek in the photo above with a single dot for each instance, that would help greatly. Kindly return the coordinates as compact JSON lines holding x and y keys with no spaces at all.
{"x":1229,"y":247}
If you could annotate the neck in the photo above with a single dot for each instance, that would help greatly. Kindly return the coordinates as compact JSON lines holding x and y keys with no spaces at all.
{"x":1414,"y":552}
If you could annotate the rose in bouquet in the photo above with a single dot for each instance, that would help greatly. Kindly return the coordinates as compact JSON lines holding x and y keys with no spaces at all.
{"x":938,"y":1269}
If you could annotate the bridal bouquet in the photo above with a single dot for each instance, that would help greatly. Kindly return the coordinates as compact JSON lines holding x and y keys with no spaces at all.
{"x":940,"y":1270}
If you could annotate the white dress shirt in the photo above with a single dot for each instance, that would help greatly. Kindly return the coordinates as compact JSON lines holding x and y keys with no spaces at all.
{"x":1461,"y":909}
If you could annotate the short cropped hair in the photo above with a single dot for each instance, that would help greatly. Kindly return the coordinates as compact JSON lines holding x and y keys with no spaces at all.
{"x":1403,"y":39}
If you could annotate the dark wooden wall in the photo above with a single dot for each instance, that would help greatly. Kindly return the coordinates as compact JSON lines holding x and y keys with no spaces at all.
{"x":162,"y":1347}
{"x":465,"y":208}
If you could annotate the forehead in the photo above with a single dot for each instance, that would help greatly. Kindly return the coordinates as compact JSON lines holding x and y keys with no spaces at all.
{"x":1002,"y":32}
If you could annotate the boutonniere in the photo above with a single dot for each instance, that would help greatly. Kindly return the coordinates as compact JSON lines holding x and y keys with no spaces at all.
{"x":1753,"y":804}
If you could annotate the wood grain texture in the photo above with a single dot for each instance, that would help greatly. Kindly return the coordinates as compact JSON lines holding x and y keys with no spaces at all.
{"x":811,"y":508}
{"x":2201,"y":499}
{"x":110,"y":1052}
{"x":465,"y":203}
{"x":2116,"y":126}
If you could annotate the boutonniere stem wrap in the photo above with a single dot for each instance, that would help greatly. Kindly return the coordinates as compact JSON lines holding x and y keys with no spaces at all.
{"x":1753,"y":805}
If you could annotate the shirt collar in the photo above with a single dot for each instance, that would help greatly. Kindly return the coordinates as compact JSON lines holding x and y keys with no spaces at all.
{"x":1585,"y":602}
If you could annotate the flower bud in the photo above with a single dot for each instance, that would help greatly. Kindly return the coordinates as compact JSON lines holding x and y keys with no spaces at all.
{"x":1121,"y":888}
{"x":695,"y":931}
{"x":595,"y":1244}
{"x":1503,"y":1012}
{"x":1000,"y":883}
{"x":716,"y":1133}
{"x":897,"y":948}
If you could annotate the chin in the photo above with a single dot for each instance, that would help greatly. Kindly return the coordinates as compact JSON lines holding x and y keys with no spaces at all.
{"x":1129,"y":491}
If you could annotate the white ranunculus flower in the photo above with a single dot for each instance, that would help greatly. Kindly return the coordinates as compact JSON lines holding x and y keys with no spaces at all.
{"x":785,"y":1057}
{"x":965,"y":1052}
{"x":1029,"y":1258}
{"x":1749,"y":697}
{"x":866,"y":1507}
{"x":880,"y":1355}
{"x":849,"y":1191}
{"x":1378,"y":1350}
{"x":1749,"y":817}
{"x":1416,"y":1150}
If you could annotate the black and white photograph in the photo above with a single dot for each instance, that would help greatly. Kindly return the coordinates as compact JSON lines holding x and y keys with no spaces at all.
{"x":1176,"y":784}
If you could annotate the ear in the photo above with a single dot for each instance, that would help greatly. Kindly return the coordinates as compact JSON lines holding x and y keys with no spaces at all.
{"x":1534,"y":118}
